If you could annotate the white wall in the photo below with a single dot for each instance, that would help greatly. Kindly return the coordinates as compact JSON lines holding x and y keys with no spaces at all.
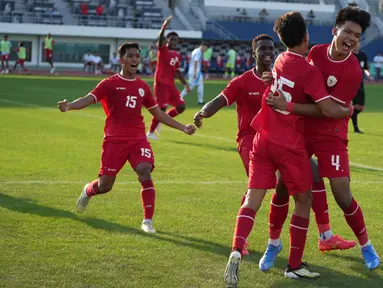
{"x":81,"y":34}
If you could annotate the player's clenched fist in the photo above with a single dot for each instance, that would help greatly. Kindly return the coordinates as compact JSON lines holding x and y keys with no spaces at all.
{"x":63,"y":105}
{"x":267,"y":77}
{"x":167,"y":21}
{"x":189,"y":129}
{"x":198,"y":119}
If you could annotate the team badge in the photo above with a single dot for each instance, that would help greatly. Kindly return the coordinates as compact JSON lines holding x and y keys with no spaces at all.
{"x":141,"y":92}
{"x":331,"y":81}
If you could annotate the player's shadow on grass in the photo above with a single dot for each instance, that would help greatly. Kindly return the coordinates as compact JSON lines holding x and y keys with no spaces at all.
{"x":330,"y":277}
{"x":205,"y":145}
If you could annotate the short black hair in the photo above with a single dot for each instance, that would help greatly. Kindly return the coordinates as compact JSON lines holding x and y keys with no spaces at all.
{"x":6,"y":35}
{"x":354,"y":14}
{"x":261,"y":37}
{"x":203,"y":43}
{"x":291,"y":29}
{"x":172,"y":34}
{"x":21,"y":43}
{"x":122,"y":49}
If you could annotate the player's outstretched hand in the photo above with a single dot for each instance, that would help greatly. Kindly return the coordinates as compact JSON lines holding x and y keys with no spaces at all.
{"x":63,"y":105}
{"x":267,"y":77}
{"x":187,"y":88}
{"x":189,"y":129}
{"x":198,"y":119}
{"x":277,"y":101}
{"x":167,"y":21}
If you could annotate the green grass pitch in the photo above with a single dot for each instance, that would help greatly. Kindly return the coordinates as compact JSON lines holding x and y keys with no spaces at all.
{"x":46,"y":158}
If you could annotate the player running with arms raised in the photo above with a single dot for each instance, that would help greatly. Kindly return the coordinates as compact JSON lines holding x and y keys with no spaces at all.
{"x":168,"y":66}
{"x":122,"y":97}
{"x":327,"y":138}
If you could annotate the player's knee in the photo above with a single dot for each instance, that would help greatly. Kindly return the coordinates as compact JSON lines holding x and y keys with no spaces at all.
{"x":254,"y":198}
{"x":144,"y":171}
{"x":180,"y":108}
{"x":341,"y":190}
{"x":105,"y":186}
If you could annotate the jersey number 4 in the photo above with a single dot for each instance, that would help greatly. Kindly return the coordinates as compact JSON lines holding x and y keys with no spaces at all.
{"x":335,"y":162}
{"x":131,"y":101}
{"x":278,"y":85}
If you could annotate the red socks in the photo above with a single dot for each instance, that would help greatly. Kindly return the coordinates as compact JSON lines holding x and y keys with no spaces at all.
{"x":355,"y":220}
{"x":243,"y":227}
{"x":298,"y":235}
{"x":320,"y":206}
{"x":92,"y":188}
{"x":279,"y":209}
{"x":148,"y":197}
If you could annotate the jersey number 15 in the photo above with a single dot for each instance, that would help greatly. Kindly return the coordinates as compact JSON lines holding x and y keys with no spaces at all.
{"x":278,"y":86}
{"x":131,"y":101}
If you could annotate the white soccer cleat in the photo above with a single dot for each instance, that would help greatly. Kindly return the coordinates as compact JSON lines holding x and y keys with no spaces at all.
{"x":231,"y":276}
{"x":52,"y":70}
{"x":147,"y":226}
{"x":82,"y":201}
{"x":6,"y":71}
{"x":152,"y":136}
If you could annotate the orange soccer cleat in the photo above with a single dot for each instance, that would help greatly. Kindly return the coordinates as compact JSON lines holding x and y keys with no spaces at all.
{"x":336,"y":242}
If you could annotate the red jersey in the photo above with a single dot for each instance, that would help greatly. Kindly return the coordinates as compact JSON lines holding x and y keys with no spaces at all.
{"x":246,"y":90}
{"x":122,"y":100}
{"x":342,"y":79}
{"x":297,"y":79}
{"x":168,"y":61}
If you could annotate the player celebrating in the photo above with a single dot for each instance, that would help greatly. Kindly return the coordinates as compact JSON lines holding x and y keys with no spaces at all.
{"x":246,"y":91}
{"x":359,"y":99}
{"x":280,"y":145}
{"x":168,"y":65}
{"x":48,"y":46}
{"x":195,"y":72}
{"x":5,"y":46}
{"x":329,"y":142}
{"x":22,"y":54}
{"x":122,"y":97}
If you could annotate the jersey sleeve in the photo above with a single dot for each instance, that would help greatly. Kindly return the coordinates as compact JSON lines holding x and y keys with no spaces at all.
{"x":232,"y":91}
{"x":101,"y":91}
{"x":149,"y":101}
{"x":348,"y":85}
{"x":314,"y":85}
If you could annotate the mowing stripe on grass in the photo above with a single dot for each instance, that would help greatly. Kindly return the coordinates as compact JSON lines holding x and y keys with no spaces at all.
{"x":80,"y":113}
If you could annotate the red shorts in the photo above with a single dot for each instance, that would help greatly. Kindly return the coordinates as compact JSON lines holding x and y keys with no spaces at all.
{"x":332,"y":157}
{"x":21,"y":62}
{"x":167,"y":94}
{"x":5,"y":57}
{"x":245,"y":144}
{"x":266,"y":158}
{"x":206,"y":63}
{"x":115,"y":154}
{"x":48,"y":54}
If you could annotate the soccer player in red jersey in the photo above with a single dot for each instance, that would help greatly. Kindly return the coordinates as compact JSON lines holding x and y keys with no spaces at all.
{"x":327,"y":138}
{"x":246,"y":91}
{"x":280,"y":145}
{"x":168,"y":66}
{"x":122,"y":97}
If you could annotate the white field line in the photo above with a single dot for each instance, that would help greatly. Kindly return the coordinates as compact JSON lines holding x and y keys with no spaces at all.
{"x":80,"y":113}
{"x":188,"y":182}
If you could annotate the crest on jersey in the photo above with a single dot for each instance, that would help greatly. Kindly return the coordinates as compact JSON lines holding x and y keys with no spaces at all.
{"x":331,"y":81}
{"x":141,"y":92}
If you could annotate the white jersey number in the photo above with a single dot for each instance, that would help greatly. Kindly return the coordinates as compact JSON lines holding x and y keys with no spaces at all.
{"x":335,"y":162}
{"x":278,"y":85}
{"x":146,"y":152}
{"x":131,"y":101}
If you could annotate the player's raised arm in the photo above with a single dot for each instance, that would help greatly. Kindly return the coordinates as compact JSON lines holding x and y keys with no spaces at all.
{"x":324,"y":108}
{"x":161,"y":41}
{"x":164,"y":118}
{"x":209,"y":109}
{"x":77,"y":104}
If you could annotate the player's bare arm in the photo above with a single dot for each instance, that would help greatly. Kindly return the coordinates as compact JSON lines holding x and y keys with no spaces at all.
{"x":77,"y":104}
{"x":325,"y":108}
{"x":181,"y":77}
{"x":161,"y":40}
{"x":209,"y":109}
{"x":164,"y":118}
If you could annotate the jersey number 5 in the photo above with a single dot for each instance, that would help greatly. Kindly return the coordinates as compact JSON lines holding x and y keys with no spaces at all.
{"x":278,"y":85}
{"x":131,"y":101}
